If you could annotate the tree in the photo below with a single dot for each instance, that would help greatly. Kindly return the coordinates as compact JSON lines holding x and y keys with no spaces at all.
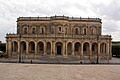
{"x":116,"y":50}
{"x":3,"y":47}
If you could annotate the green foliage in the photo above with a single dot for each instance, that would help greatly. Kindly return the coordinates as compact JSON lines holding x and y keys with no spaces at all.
{"x":116,"y":50}
{"x":3,"y":47}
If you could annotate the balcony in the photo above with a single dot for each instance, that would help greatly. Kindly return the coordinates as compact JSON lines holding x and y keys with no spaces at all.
{"x":68,"y":36}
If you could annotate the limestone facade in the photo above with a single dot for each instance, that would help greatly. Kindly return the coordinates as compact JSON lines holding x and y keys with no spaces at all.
{"x":58,"y":35}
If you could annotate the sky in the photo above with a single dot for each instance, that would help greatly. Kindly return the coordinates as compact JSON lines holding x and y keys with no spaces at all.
{"x":107,"y":10}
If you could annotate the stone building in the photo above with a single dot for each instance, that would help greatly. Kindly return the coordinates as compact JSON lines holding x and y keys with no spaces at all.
{"x":58,"y":35}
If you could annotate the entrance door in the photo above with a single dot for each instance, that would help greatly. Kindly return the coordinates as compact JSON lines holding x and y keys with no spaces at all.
{"x":59,"y":50}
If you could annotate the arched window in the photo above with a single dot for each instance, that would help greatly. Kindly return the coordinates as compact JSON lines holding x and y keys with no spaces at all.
{"x":93,"y":31}
{"x":52,"y":30}
{"x":42,"y":30}
{"x":25,"y":31}
{"x":59,"y":30}
{"x":84,"y":31}
{"x":33,"y":30}
{"x":66,"y":30}
{"x":76,"y":31}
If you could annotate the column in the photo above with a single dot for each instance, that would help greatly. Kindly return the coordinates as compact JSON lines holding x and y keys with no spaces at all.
{"x":110,"y":50}
{"x":90,"y":48}
{"x":66,"y":48}
{"x":44,"y":48}
{"x":98,"y":49}
{"x":13,"y":47}
{"x":81,"y":55}
{"x":73,"y":48}
{"x":27,"y":50}
{"x":107,"y":50}
{"x":35,"y":50}
{"x":9,"y":49}
{"x":81,"y":49}
{"x":18,"y":50}
{"x":53,"y":48}
{"x":63,"y":49}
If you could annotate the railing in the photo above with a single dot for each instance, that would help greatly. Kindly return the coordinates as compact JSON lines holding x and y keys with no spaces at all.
{"x":58,"y":17}
{"x":58,"y":36}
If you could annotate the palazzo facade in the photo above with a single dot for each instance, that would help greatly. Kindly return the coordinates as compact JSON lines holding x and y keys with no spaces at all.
{"x":58,"y":35}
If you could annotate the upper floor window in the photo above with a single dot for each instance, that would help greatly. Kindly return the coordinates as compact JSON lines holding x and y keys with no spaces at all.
{"x":93,"y":31}
{"x":52,"y":30}
{"x":76,"y":31}
{"x":33,"y":30}
{"x":66,"y":30}
{"x":84,"y":31}
{"x":25,"y":31}
{"x":59,"y":30}
{"x":42,"y":30}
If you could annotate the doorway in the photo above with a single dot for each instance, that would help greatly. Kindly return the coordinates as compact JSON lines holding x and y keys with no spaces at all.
{"x":58,"y":50}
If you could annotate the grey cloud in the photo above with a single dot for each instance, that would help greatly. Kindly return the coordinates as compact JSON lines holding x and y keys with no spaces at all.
{"x":108,"y":11}
{"x":12,"y":9}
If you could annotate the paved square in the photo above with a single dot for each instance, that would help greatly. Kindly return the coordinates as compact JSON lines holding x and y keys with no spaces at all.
{"x":12,"y":71}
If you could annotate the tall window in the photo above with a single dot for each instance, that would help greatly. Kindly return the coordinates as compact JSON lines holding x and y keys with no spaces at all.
{"x":93,"y":31}
{"x":42,"y":30}
{"x":85,"y":31}
{"x":25,"y":31}
{"x":76,"y":31}
{"x":52,"y":30}
{"x":59,"y":30}
{"x":93,"y":47}
{"x":33,"y":30}
{"x":66,"y":30}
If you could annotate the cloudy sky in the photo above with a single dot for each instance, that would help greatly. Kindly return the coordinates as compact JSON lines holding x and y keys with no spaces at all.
{"x":107,"y":10}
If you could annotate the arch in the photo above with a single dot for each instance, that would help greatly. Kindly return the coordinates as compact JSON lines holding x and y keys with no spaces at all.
{"x":86,"y":49}
{"x":33,"y":30}
{"x":31,"y":47}
{"x":25,"y":30}
{"x":48,"y":48}
{"x":23,"y":47}
{"x":94,"y":48}
{"x":102,"y":48}
{"x":69,"y":48}
{"x":76,"y":31}
{"x":40,"y":48}
{"x":77,"y":48}
{"x":59,"y":48}
{"x":14,"y":46}
{"x":60,"y":29}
